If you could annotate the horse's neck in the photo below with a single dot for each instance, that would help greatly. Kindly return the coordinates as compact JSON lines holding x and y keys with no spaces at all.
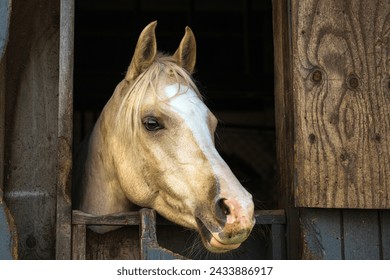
{"x":101,"y":191}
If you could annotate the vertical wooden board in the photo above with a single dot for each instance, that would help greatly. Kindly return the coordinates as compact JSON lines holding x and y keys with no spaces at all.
{"x":385,"y":233}
{"x":31,"y":125}
{"x":341,"y":75}
{"x":284,"y":122}
{"x":79,"y":236}
{"x":64,"y":136}
{"x":321,"y":234}
{"x":361,"y":235}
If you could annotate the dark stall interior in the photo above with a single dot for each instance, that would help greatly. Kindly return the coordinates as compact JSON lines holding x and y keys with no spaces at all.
{"x":234,"y":72}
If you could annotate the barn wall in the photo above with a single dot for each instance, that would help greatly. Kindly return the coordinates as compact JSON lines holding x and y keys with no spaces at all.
{"x":341,"y":81}
{"x":31,"y":107}
{"x":332,"y":111}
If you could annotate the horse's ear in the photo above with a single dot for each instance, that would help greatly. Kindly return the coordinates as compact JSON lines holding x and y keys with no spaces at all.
{"x":145,"y":52}
{"x":185,"y":55}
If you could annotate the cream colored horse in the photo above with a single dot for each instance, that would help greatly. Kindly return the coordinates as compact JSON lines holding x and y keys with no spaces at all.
{"x":153,"y":146}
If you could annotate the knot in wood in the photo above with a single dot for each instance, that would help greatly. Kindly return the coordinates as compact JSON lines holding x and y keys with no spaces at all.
{"x":316,"y":76}
{"x":312,"y":138}
{"x":31,"y":241}
{"x":352,"y":82}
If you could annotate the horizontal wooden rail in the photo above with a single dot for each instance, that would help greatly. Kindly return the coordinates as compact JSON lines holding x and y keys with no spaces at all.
{"x":147,"y":219}
{"x":263,"y":217}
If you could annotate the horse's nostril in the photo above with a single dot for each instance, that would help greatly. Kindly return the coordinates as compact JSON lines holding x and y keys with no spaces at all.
{"x":223,"y":207}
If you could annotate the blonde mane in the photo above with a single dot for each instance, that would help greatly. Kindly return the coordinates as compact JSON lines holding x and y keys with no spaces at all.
{"x":164,"y":67}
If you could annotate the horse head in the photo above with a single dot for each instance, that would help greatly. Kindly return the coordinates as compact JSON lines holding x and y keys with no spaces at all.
{"x":159,"y":152}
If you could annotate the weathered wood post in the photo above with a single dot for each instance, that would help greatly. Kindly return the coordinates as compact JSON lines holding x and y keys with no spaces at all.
{"x":36,"y":130}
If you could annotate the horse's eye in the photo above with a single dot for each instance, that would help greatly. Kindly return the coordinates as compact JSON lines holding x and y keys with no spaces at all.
{"x":152,"y":124}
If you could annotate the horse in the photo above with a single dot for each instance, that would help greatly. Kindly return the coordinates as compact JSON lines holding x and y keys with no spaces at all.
{"x":153,"y":146}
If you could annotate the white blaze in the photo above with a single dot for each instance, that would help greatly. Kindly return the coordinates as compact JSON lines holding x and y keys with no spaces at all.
{"x":186,"y":103}
{"x":194,"y":112}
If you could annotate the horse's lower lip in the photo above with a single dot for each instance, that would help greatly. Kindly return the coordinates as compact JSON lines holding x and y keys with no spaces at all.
{"x":221,"y":246}
{"x":211,"y":242}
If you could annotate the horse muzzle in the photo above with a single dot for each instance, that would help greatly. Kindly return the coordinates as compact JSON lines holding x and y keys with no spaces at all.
{"x":230,"y":227}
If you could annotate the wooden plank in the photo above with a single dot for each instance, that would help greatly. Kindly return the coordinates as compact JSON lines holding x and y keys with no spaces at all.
{"x":361,"y":235}
{"x":103,"y":246}
{"x":31,"y":101}
{"x":284,"y":122}
{"x":64,"y":136}
{"x":120,"y":219}
{"x":79,"y":235}
{"x":341,"y":92}
{"x":385,"y":234}
{"x":322,"y":236}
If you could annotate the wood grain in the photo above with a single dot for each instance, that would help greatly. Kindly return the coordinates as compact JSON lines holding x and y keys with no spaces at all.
{"x":284,"y":123}
{"x":65,"y":132}
{"x":122,"y":219}
{"x":31,"y":113}
{"x":79,"y":235}
{"x":341,"y":91}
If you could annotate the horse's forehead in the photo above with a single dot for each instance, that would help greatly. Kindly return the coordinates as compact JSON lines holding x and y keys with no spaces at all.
{"x":186,"y":103}
{"x":184,"y":99}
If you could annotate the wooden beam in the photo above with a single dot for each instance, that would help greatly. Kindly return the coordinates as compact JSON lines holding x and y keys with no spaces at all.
{"x":284,"y":122}
{"x":121,"y":219}
{"x":65,"y":131}
{"x":79,"y":244}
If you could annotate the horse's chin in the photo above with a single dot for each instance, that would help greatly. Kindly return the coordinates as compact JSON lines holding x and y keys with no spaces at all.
{"x":212,"y":243}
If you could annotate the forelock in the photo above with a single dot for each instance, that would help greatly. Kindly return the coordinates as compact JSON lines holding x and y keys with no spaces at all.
{"x":130,"y":108}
